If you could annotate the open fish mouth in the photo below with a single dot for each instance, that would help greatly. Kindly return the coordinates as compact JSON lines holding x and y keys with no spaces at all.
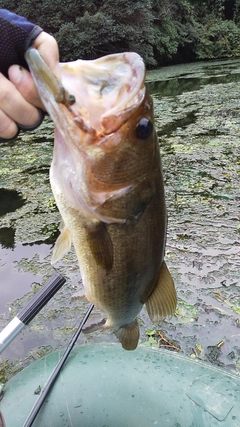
{"x":100,"y":95}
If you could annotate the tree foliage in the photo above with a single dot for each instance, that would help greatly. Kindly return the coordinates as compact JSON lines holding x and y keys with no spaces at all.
{"x":161,"y":31}
{"x":219,"y":39}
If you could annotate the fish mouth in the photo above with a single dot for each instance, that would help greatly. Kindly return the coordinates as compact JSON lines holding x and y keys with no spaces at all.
{"x":98,"y":95}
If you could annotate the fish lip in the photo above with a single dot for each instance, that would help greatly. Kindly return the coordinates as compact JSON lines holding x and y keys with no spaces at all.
{"x":128,"y":91}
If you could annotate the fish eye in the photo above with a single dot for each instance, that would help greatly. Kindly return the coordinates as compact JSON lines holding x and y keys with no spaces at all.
{"x":144,"y":128}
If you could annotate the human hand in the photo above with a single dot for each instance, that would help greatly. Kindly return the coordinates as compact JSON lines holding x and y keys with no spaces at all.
{"x":19,"y":100}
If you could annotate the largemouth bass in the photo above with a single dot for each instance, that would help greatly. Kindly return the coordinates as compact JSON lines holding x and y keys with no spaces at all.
{"x":107,"y":181}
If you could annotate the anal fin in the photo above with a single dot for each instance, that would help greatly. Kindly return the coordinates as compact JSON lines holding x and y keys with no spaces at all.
{"x":93,"y":325}
{"x":129,"y":335}
{"x":163,"y":300}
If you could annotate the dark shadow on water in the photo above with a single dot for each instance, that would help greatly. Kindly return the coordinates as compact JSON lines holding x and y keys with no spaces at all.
{"x":168,"y":129}
{"x":48,"y":241}
{"x":7,"y":235}
{"x":7,"y":238}
{"x":177,"y":85}
{"x":11,"y":200}
{"x":43,"y":169}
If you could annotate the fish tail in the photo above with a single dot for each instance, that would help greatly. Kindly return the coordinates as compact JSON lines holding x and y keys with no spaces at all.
{"x":128,"y":335}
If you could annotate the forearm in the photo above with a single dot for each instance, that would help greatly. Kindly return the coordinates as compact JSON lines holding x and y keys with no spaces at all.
{"x":16,"y":35}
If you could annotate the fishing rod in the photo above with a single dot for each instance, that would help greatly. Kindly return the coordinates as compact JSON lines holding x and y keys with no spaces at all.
{"x":30,"y":310}
{"x":37,"y":406}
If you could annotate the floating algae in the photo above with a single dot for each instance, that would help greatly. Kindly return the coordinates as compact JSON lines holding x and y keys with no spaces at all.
{"x":198,"y":123}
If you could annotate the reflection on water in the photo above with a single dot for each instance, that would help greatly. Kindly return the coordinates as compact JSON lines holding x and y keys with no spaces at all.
{"x":175,"y":80}
{"x":14,"y":283}
{"x":177,"y":85}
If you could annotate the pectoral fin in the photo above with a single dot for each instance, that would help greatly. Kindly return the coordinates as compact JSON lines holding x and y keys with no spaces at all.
{"x":163,"y":300}
{"x":100,"y":244}
{"x":129,"y":335}
{"x":62,"y":245}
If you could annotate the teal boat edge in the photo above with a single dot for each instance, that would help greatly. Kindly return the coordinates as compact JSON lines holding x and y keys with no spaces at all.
{"x":105,"y":386}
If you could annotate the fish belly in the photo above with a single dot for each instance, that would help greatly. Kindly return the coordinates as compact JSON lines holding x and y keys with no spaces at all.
{"x":119,"y":263}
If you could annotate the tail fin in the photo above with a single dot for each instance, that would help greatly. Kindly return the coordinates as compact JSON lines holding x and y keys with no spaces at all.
{"x":129,"y":335}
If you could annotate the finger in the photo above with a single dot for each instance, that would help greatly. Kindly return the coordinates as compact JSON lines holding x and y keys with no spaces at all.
{"x":8,"y":128}
{"x":23,"y":82}
{"x":13,"y":104}
{"x":22,"y":79}
{"x":48,"y":49}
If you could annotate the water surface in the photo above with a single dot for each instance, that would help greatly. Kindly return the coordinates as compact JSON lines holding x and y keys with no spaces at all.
{"x":197,"y":115}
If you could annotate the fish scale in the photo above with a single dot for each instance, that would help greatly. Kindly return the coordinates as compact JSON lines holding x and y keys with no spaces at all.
{"x":107,"y":181}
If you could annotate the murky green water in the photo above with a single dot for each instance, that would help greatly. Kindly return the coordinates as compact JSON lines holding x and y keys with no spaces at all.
{"x":197,"y":113}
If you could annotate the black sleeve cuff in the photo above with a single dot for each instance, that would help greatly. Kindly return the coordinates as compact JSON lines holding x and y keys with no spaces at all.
{"x":32,"y":36}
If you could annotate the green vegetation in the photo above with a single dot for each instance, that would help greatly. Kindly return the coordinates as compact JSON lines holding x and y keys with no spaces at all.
{"x":161,"y":31}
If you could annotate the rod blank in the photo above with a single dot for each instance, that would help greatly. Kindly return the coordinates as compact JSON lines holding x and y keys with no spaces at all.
{"x":30,"y":310}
